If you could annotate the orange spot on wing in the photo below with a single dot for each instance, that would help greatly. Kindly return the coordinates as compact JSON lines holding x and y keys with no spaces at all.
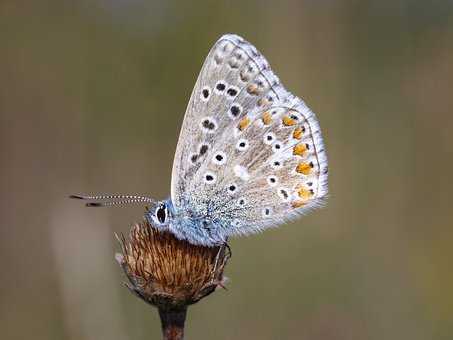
{"x":288,"y":121}
{"x":262,"y":101}
{"x":297,"y":134}
{"x":304,"y":193}
{"x":243,"y":123}
{"x":299,"y":149}
{"x":252,"y":89}
{"x":298,"y":204}
{"x":303,"y":168}
{"x":267,"y":118}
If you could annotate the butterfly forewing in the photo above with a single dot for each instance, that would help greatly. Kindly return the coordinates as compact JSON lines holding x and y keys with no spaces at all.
{"x":250,"y":154}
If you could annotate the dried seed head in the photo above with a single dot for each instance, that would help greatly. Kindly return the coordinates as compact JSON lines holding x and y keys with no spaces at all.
{"x":167,"y":272}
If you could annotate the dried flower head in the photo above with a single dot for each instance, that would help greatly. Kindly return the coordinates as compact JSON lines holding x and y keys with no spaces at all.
{"x":167,"y":272}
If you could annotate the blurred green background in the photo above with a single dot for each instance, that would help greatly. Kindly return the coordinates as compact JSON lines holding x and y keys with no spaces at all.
{"x":92,"y":96}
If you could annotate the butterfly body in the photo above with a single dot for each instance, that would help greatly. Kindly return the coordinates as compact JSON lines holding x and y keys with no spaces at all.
{"x":250,"y":154}
{"x":196,"y":226}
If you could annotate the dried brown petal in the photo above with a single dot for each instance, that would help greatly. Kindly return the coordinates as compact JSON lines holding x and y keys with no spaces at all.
{"x":167,"y":272}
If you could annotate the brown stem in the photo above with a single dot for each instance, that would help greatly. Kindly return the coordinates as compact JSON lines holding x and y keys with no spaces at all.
{"x":173,"y":323}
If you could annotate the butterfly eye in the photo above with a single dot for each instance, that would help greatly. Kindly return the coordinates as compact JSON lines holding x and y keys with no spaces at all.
{"x":161,"y":213}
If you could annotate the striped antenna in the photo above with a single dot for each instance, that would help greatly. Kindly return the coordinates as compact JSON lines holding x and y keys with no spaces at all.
{"x":112,"y":200}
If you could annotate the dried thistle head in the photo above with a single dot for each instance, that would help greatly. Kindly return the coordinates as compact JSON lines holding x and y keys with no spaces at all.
{"x":167,"y":272}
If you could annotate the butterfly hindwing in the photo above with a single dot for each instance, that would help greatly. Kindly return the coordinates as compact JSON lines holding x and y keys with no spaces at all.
{"x":250,"y":154}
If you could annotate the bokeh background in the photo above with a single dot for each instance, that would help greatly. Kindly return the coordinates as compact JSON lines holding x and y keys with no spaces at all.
{"x":92,"y":96}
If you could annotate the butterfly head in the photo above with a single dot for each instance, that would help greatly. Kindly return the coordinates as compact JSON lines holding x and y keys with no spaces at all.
{"x":160,"y":214}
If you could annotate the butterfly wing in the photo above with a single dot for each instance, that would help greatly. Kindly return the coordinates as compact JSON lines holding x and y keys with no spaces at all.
{"x":250,"y":154}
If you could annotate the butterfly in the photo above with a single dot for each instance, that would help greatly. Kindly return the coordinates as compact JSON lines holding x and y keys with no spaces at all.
{"x":250,"y":155}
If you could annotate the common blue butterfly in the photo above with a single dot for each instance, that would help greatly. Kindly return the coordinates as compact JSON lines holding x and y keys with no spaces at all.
{"x":250,"y":154}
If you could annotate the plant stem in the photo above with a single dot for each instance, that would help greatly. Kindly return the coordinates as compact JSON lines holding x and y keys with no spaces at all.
{"x":173,"y":323}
